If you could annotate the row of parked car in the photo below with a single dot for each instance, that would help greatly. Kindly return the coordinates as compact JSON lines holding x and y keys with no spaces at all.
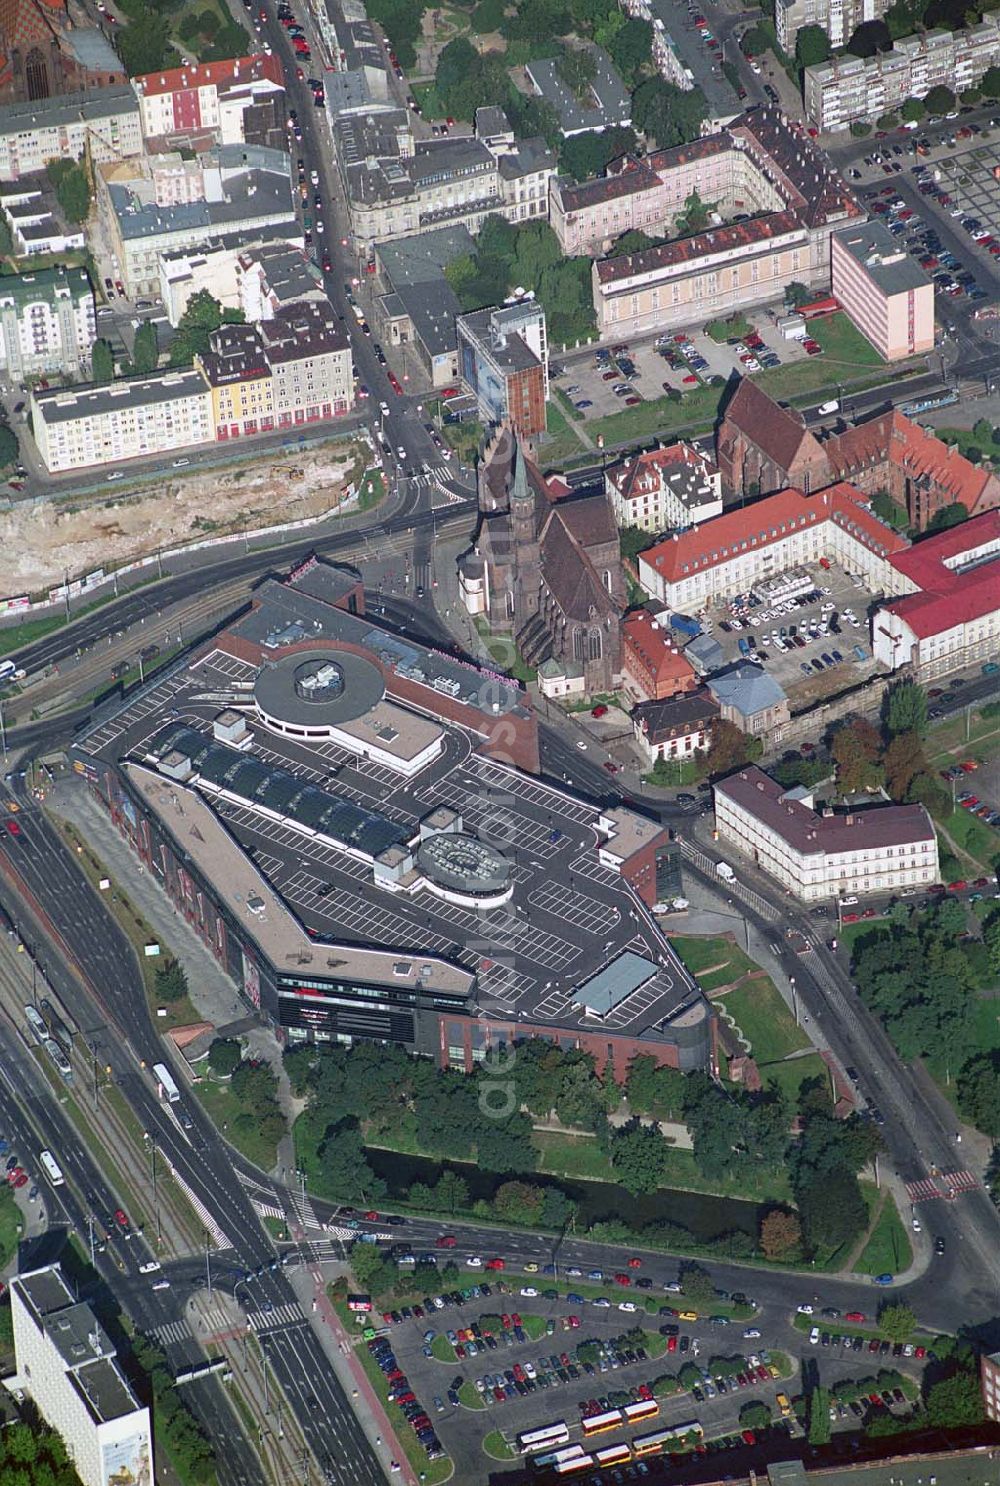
{"x":402,"y":1395}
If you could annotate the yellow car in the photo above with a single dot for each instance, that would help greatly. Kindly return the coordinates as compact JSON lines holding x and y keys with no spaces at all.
{"x":531,"y":1269}
{"x":784,"y":1405}
{"x":687,"y":1316}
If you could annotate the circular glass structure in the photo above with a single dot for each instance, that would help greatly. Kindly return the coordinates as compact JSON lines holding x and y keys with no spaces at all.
{"x":464,"y":869}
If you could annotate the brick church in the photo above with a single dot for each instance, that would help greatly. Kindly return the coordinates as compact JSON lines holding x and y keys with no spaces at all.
{"x":545,"y":567}
{"x":47,"y":50}
{"x":762,"y":447}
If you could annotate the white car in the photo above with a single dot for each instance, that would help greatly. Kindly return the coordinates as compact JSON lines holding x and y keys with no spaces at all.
{"x":581,"y":745}
{"x":383,"y":408}
{"x":674,"y":1288}
{"x":401,"y":451}
{"x":750,"y":1333}
{"x":804,"y":1310}
{"x":627,"y":1305}
{"x":529,"y":1368}
{"x":150,"y":1266}
{"x":473,"y":1262}
{"x":917,"y":1225}
{"x":529,"y":1292}
{"x":814,"y":1335}
{"x":848,"y":902}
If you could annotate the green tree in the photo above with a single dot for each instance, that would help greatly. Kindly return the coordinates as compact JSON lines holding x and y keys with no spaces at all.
{"x":630,"y":47}
{"x":667,"y":114}
{"x":639,"y":1157}
{"x":695,"y":216}
{"x":897,"y":1321}
{"x":940,"y":100}
{"x":368,"y":1266}
{"x":696,"y":1284}
{"x":754,"y":42}
{"x":912,"y":111}
{"x":869,"y":38}
{"x":170,"y":982}
{"x":518,"y":1202}
{"x":979,"y":1079}
{"x":955,"y":1402}
{"x":584,"y":155}
{"x":948,"y":516}
{"x":812,"y":46}
{"x":729,"y":748}
{"x":224,"y":1056}
{"x":203,"y":315}
{"x":990,"y":82}
{"x":819,"y":1416}
{"x":928,"y":790}
{"x":903,"y":761}
{"x":146,"y":352}
{"x":71,"y":184}
{"x":756,"y":1415}
{"x":143,"y":44}
{"x":831,"y":1207}
{"x":577,"y":68}
{"x":798,"y":294}
{"x":102,"y":362}
{"x":345,"y":1166}
{"x":855,"y":748}
{"x":8,"y":446}
{"x":904,"y":709}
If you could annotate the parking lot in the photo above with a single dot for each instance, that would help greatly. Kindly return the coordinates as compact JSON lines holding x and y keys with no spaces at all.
{"x":498,"y":1359}
{"x":674,"y":363}
{"x":808,"y":641}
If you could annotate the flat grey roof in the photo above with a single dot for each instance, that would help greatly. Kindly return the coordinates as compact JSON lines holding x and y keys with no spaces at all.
{"x":423,"y":258}
{"x":62,"y":404}
{"x":433,"y":307}
{"x":250,"y":194}
{"x":81,"y":1341}
{"x":607,"y":103}
{"x":282,"y":690}
{"x":50,"y":113}
{"x":610,"y":987}
{"x":873,"y":246}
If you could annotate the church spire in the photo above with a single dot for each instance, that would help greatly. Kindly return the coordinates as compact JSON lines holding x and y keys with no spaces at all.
{"x":519,"y":488}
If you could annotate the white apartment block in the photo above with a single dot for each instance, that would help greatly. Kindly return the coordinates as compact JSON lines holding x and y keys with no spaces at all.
{"x":47,"y":323}
{"x":839,"y":92}
{"x":839,"y":18}
{"x":86,"y":426}
{"x":68,"y":1367}
{"x":663,"y":488}
{"x":819,"y":855}
{"x":207,"y":97}
{"x":103,"y":123}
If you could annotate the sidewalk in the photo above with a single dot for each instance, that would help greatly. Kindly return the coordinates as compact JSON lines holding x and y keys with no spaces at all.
{"x":210,"y":988}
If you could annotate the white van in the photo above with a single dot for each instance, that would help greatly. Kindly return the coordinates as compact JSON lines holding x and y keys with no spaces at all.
{"x":825,"y":408}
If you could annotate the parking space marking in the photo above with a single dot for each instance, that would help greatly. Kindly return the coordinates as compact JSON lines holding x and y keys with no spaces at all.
{"x":578,"y":909}
{"x":589,"y":866}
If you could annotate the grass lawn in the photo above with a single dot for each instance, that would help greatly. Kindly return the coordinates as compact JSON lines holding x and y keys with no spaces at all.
{"x":10,"y":1225}
{"x":567,"y":1155}
{"x":946,"y":741}
{"x":442,"y":1349}
{"x":791,"y":1074}
{"x":851,"y":933}
{"x":464,"y":438}
{"x":765,"y":1021}
{"x":968,"y":444}
{"x":470,"y":1397}
{"x":696,"y":411}
{"x":223,"y":1107}
{"x":842,"y":341}
{"x":712,"y":954}
{"x":888,"y":1249}
{"x":497,"y":1447}
{"x":506,"y":654}
{"x":431,"y":106}
{"x":561,"y":441}
{"x":980,"y":842}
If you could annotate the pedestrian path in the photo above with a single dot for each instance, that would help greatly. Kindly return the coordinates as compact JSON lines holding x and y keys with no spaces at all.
{"x":289,"y":1314}
{"x":172,"y":1333}
{"x":739,"y":889}
{"x":947,"y":1184}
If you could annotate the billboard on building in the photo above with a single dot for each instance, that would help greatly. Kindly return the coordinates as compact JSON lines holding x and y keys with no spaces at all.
{"x":129,"y":1461}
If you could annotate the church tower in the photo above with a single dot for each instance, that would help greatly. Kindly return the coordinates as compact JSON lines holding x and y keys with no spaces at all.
{"x":524,"y":533}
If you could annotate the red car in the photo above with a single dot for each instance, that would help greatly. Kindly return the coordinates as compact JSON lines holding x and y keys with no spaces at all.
{"x":599,"y":711}
{"x":622,"y":1279}
{"x":855,"y":1316}
{"x":611,"y":768}
{"x":574,"y":1322}
{"x":13,"y":1175}
{"x":749,"y":1438}
{"x":671,"y":1344}
{"x":958,"y":887}
{"x":20,"y":1179}
{"x":635,"y":1263}
{"x":371,"y":1217}
{"x":446,"y":1240}
{"x":690,"y":380}
{"x":13,"y":828}
{"x":494,"y":1264}
{"x":121,"y":1220}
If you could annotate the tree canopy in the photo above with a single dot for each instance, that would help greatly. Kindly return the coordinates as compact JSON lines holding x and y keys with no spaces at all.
{"x":203,"y":315}
{"x":102,"y":362}
{"x":668,"y":114}
{"x":812,"y":46}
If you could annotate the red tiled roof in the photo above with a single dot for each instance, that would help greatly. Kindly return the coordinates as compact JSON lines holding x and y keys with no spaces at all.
{"x":896,"y":438}
{"x":697,"y":149}
{"x":624,"y":475}
{"x":824,"y":195}
{"x":653,"y":649}
{"x":949,"y":597}
{"x":766,"y":521}
{"x":719,"y":241}
{"x":632,"y":177}
{"x":780,"y":433}
{"x":224,"y":75}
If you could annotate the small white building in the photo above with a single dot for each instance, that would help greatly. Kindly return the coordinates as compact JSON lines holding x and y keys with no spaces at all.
{"x":68,"y":1366}
{"x":813,"y":855}
{"x":662,"y":488}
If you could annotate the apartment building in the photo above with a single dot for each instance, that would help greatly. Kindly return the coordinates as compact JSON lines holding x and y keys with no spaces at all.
{"x":396,"y":187}
{"x":839,"y":18}
{"x":840,"y":92}
{"x":662,"y":488}
{"x":163,"y":204}
{"x":950,"y":618}
{"x":653,"y":668}
{"x":989,"y":1377}
{"x":728,"y":555}
{"x":884,"y":291}
{"x":291,"y":370}
{"x":676,"y":728}
{"x":104,"y":122}
{"x":256,"y":278}
{"x":47,"y":323}
{"x":603,"y":104}
{"x":68,"y":1367}
{"x":503,"y":358}
{"x":786,"y":192}
{"x":239,"y":101}
{"x":824,"y":854}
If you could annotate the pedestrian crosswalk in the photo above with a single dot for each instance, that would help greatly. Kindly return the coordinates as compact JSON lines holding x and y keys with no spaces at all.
{"x":172,"y":1333}
{"x":303,"y":1211}
{"x":289,"y":1314}
{"x":947,"y":1184}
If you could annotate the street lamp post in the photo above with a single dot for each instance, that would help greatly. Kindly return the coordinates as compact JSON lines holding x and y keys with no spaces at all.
{"x":795,"y":999}
{"x":208,"y":1264}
